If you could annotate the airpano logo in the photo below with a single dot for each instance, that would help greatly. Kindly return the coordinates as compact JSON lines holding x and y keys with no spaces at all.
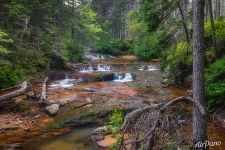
{"x":207,"y":144}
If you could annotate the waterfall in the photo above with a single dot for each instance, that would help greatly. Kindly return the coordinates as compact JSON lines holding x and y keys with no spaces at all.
{"x":65,"y":83}
{"x":121,"y":77}
{"x":99,"y":67}
{"x":148,"y":68}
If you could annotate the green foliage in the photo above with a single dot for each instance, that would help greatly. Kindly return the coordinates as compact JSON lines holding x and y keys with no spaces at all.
{"x":219,"y":29}
{"x":137,"y":27}
{"x":17,"y":11}
{"x":148,"y":34}
{"x":148,"y":48}
{"x":89,"y":20}
{"x":73,"y":50}
{"x":151,"y":15}
{"x":4,"y":40}
{"x":219,"y":33}
{"x":178,"y":60}
{"x":115,"y":121}
{"x":10,"y":77}
{"x":151,"y":46}
{"x":170,"y":145}
{"x":106,"y":45}
{"x":215,"y":83}
{"x":36,"y":29}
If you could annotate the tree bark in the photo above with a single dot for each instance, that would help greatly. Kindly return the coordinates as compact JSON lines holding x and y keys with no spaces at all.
{"x":199,"y":121}
{"x":25,"y":87}
{"x":184,"y":23}
{"x":212,"y":27}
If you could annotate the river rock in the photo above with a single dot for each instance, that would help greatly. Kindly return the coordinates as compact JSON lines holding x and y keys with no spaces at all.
{"x":100,"y":77}
{"x":52,"y":109}
{"x":96,"y":138}
{"x":100,"y":130}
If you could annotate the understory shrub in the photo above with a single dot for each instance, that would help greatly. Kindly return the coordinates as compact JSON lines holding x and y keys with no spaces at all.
{"x":219,"y":33}
{"x":215,"y":83}
{"x":113,"y":46}
{"x":10,"y":77}
{"x":115,"y":121}
{"x":177,"y":62}
{"x":151,"y":46}
{"x":73,"y":50}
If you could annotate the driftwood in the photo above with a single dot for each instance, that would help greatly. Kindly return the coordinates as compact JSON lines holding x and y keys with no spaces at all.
{"x":145,"y":121}
{"x":25,"y":87}
{"x":85,"y":104}
{"x":43,"y":94}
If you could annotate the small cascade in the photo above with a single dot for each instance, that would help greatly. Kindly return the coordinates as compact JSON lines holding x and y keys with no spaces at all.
{"x":103,"y":68}
{"x":94,"y":57}
{"x":149,"y":68}
{"x":121,"y":77}
{"x":65,"y":83}
{"x":87,"y":69}
{"x":97,"y":68}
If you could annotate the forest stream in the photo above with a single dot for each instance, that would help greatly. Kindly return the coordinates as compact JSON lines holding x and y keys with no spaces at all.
{"x":110,"y":83}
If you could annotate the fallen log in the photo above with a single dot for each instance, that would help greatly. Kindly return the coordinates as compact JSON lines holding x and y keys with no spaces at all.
{"x":43,"y":94}
{"x":25,"y":87}
{"x":10,"y":88}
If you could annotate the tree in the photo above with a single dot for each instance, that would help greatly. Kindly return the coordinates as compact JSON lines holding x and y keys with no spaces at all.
{"x":183,"y":14}
{"x":199,"y":122}
{"x":212,"y":27}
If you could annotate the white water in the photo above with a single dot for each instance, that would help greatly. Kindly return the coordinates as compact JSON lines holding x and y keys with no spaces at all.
{"x":65,"y":83}
{"x":98,"y":68}
{"x":127,"y":77}
{"x":148,"y":68}
{"x":94,"y":57}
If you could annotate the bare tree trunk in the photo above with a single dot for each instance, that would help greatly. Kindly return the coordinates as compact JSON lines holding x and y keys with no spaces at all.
{"x":184,"y":24}
{"x":218,"y":8}
{"x":199,"y":122}
{"x":212,"y":27}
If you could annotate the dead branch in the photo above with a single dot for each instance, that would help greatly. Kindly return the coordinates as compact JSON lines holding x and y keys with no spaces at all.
{"x":44,"y":91}
{"x":25,"y":87}
{"x":146,"y":120}
{"x":85,"y":104}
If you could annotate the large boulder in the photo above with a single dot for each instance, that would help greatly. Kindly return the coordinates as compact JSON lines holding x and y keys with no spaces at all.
{"x":52,"y":109}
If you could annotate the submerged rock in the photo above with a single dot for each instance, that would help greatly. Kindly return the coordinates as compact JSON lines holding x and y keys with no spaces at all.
{"x":52,"y":109}
{"x":96,"y":138}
